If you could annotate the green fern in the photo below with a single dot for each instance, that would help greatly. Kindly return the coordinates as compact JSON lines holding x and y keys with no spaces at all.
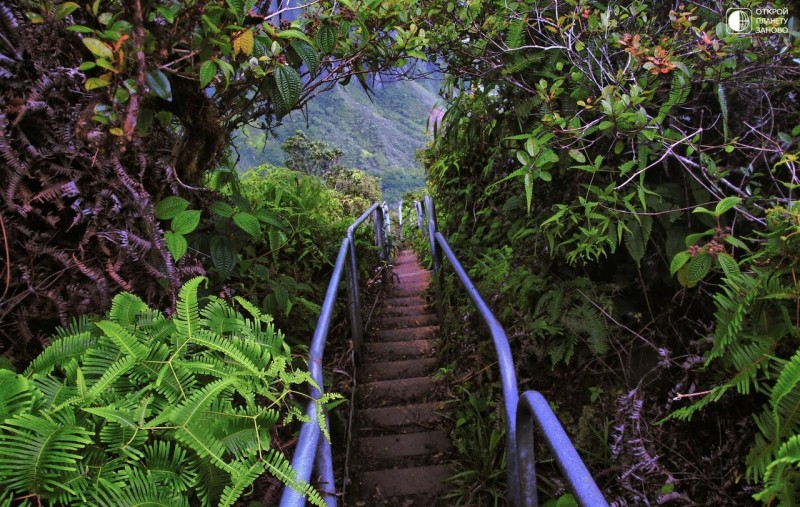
{"x":782,"y":475}
{"x":143,"y":410}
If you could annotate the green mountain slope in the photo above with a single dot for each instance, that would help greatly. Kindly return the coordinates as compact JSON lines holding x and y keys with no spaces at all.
{"x":380,"y":136}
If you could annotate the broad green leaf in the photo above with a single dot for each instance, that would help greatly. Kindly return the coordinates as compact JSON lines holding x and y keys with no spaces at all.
{"x":308,"y":54}
{"x":207,"y":72}
{"x":577,"y":156}
{"x":177,"y":245}
{"x":80,"y":29}
{"x":169,"y":207}
{"x":98,"y":48}
{"x":222,"y":209}
{"x":289,"y":85}
{"x":728,"y":264}
{"x":698,"y":267}
{"x":237,"y":6}
{"x":528,"y":190}
{"x":185,"y":221}
{"x":680,"y":259}
{"x":96,"y":82}
{"x":326,"y":38}
{"x":701,"y":209}
{"x":293,"y":33}
{"x":736,"y":242}
{"x":248,"y":223}
{"x":65,"y":9}
{"x":159,"y":84}
{"x":224,"y":256}
{"x":726,"y":204}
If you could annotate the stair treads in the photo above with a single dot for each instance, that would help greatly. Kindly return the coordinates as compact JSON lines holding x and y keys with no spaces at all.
{"x":397,"y":369}
{"x":401,"y":321}
{"x":414,"y":415}
{"x":420,"y":308}
{"x":406,"y":481}
{"x":393,"y":392}
{"x":404,"y":445}
{"x":403,"y":334}
{"x":393,"y":302}
{"x":396,"y":351}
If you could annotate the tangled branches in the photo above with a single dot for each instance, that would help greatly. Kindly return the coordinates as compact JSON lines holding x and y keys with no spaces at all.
{"x":77,"y":206}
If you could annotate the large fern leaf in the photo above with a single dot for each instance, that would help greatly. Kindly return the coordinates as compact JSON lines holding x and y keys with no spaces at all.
{"x":35,"y":452}
{"x":187,"y":315}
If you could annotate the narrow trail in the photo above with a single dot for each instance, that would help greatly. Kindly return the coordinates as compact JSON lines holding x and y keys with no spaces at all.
{"x":401,"y":449}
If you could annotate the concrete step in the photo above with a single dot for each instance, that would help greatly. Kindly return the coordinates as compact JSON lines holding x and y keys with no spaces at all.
{"x":403,"y":334}
{"x":401,"y":418}
{"x":397,"y":369}
{"x":424,"y":480}
{"x":398,"y":351}
{"x":401,"y":321}
{"x":395,"y":392}
{"x":409,"y":290}
{"x":422,"y":443}
{"x":405,"y":301}
{"x":401,"y":311}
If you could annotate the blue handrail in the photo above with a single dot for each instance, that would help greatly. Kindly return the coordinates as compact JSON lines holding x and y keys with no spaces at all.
{"x":310,"y":448}
{"x":521,"y":416}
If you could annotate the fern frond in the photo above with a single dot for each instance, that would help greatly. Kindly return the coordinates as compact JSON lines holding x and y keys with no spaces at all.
{"x":245,"y":474}
{"x":781,"y":473}
{"x":126,"y":341}
{"x":139,"y":489}
{"x":126,"y":308}
{"x":228,"y":348}
{"x":17,"y":395}
{"x":35,"y":452}
{"x":280,"y":468}
{"x":220,"y":317}
{"x":61,"y":351}
{"x":187,"y":316}
{"x":167,"y":463}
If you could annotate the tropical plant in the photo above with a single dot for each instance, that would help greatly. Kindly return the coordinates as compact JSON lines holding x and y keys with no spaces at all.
{"x":137,"y":408}
{"x":583,"y":137}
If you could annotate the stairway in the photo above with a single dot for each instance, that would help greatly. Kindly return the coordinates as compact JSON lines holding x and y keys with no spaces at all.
{"x":400,"y":449}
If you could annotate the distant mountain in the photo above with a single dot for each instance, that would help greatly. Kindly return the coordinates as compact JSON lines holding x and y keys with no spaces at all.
{"x":380,"y":136}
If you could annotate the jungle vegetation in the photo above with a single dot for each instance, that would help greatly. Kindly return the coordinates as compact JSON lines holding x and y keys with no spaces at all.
{"x":618,"y":176}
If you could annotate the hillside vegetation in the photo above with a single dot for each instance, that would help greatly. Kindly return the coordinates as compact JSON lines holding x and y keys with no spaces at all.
{"x":379,"y":133}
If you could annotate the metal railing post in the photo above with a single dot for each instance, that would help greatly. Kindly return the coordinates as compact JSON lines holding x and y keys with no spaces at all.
{"x":436,"y":255}
{"x":353,"y":302}
{"x":420,"y":218}
{"x":534,"y":411}
{"x":400,"y":220}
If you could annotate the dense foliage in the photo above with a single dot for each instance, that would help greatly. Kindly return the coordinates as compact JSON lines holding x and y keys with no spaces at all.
{"x":623,"y":177}
{"x":139,"y":409}
{"x":111,"y":107}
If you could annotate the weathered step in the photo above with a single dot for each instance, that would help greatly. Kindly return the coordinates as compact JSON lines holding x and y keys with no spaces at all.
{"x":428,"y":480}
{"x":404,"y":445}
{"x":397,"y":418}
{"x":409,"y":292}
{"x":401,"y":321}
{"x":398,"y":369}
{"x":405,"y":310}
{"x":393,"y":392}
{"x":413,"y":274}
{"x":405,"y":301}
{"x":408,"y":333}
{"x":397,"y":351}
